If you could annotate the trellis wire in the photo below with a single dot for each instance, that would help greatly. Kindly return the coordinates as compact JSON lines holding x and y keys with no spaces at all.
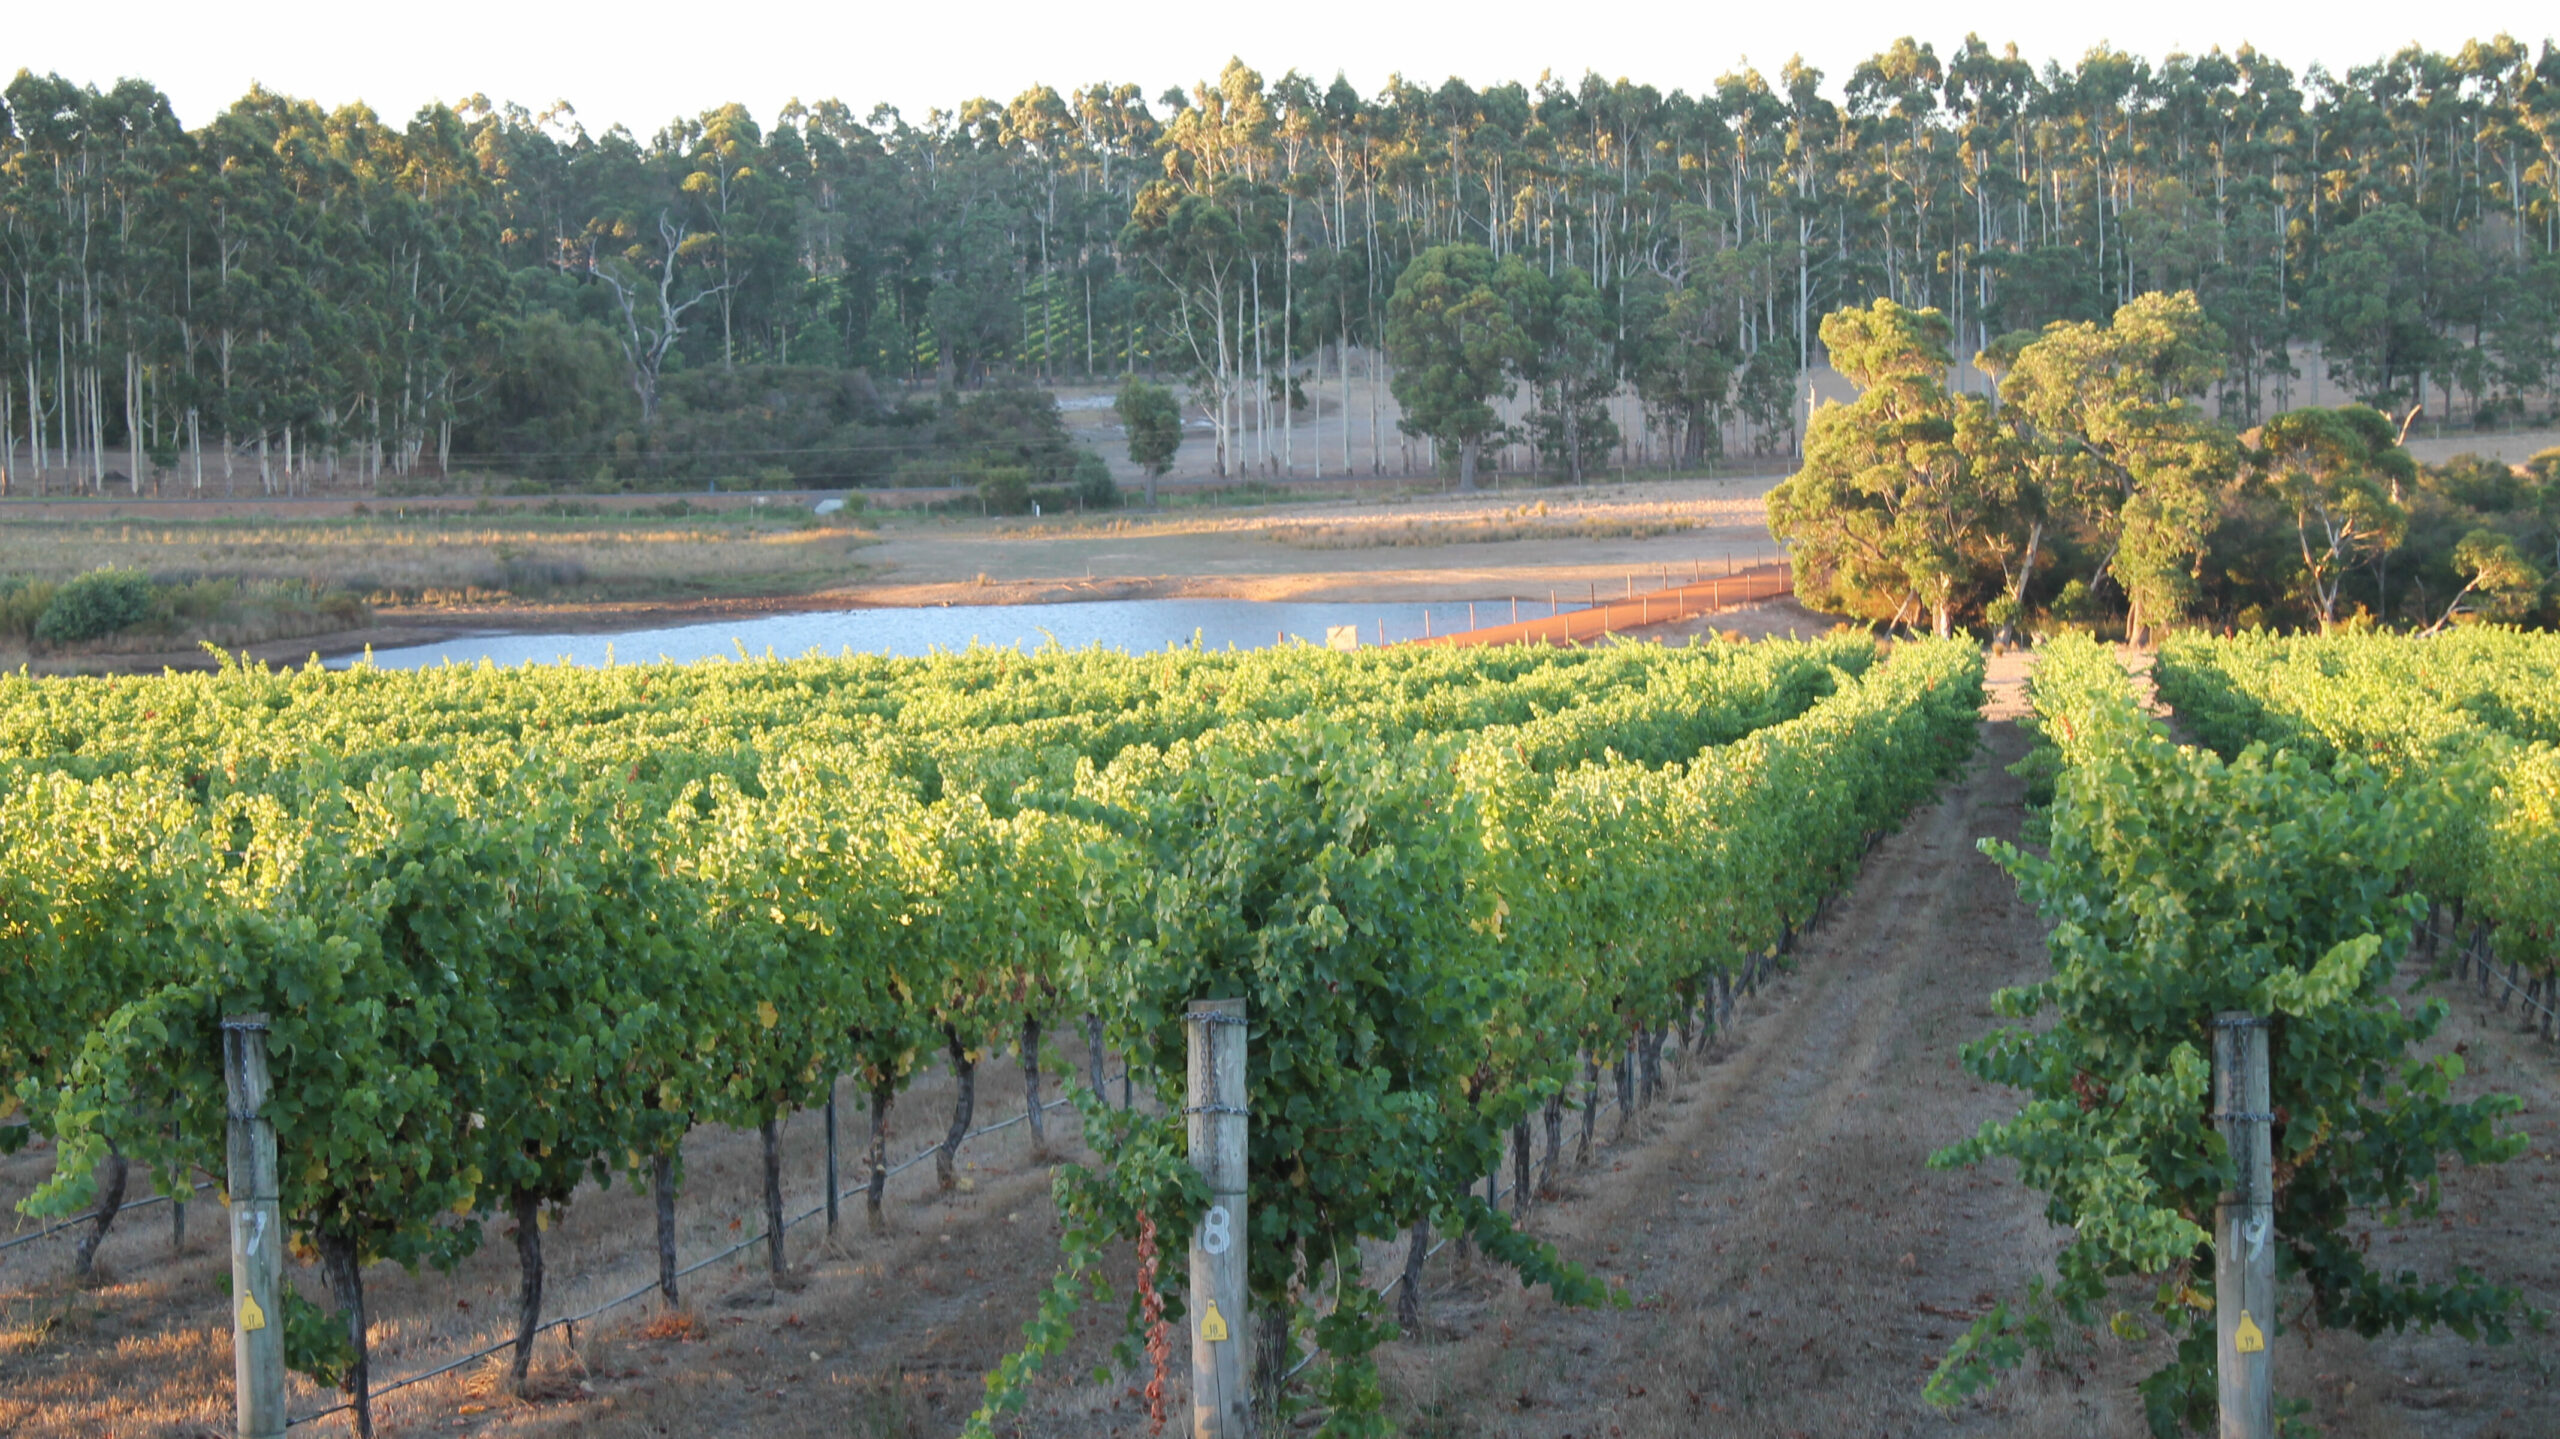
{"x":91,"y":1217}
{"x":1607,"y":1100}
{"x":2469,"y":955}
{"x":651,"y":1287}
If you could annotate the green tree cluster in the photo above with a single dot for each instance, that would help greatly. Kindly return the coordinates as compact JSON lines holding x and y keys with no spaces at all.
{"x":2095,"y":482}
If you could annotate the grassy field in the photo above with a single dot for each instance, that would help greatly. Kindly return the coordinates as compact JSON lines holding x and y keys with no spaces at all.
{"x":247,"y":578}
{"x":552,"y":552}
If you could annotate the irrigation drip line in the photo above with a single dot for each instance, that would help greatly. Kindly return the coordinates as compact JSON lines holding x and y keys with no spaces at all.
{"x":2483,"y":963}
{"x":91,"y":1217}
{"x":651,"y":1287}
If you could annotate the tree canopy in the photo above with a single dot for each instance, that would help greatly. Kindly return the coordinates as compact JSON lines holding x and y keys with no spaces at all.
{"x":291,"y":293}
{"x":2098,"y":483}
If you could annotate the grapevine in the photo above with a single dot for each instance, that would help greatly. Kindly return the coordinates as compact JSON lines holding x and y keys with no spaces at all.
{"x":2181,"y":885}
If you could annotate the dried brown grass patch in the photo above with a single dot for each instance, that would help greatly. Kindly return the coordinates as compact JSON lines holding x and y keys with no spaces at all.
{"x":1485,"y":530}
{"x":389,"y":562}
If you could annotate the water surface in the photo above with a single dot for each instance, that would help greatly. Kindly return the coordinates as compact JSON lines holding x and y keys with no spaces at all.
{"x":1134,"y":625}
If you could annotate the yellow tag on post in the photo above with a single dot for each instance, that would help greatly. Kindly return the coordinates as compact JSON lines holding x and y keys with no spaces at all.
{"x":1213,"y":1325}
{"x":2248,"y":1339}
{"x":251,"y":1316}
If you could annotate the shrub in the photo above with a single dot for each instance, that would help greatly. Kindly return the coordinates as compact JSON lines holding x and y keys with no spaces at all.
{"x":1093,"y":486}
{"x":1005,"y":490}
{"x":22,"y":603}
{"x":93,"y":605}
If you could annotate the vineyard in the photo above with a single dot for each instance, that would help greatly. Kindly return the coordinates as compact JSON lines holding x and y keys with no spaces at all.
{"x":515,"y":931}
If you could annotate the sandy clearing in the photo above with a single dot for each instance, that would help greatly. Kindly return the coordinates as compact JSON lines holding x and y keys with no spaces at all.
{"x":1236,"y":556}
{"x":2513,"y":447}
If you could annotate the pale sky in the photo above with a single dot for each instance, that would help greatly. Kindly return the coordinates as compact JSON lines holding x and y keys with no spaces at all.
{"x":640,"y":62}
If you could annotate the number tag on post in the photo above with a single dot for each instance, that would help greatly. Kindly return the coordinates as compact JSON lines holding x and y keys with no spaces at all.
{"x":251,"y":1316}
{"x":2248,"y":1338}
{"x":1213,"y":1325}
{"x":1216,"y":1234}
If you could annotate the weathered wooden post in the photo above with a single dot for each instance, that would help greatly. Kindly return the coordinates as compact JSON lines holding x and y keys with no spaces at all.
{"x":1221,"y":1330}
{"x":2244,"y":1261}
{"x":831,"y":1156}
{"x":257,"y":1234}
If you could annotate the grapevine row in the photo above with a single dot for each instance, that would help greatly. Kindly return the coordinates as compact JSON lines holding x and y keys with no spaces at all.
{"x":519,"y":930}
{"x":2183,"y":886}
{"x":2467,"y":721}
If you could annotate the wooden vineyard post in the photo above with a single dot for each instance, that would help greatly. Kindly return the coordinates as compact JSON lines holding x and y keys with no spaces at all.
{"x":1221,"y":1334}
{"x":257,"y":1235}
{"x":2244,"y":1259}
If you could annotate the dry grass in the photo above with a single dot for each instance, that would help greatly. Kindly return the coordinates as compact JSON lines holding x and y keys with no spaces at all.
{"x":1405,"y":524}
{"x":1526,"y":522}
{"x":431,"y":561}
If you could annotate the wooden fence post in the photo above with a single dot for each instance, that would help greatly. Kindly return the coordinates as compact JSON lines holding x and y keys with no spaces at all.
{"x":257,"y":1234}
{"x":2244,"y":1260}
{"x":1221,"y":1331}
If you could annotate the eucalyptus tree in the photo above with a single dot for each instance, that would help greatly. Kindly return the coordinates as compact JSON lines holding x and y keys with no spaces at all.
{"x":2112,"y":411}
{"x":289,"y":278}
{"x":1902,"y":486}
{"x":1571,"y":362}
{"x":2344,"y":476}
{"x":1153,"y":421}
{"x":1455,"y":328}
{"x":645,"y":281}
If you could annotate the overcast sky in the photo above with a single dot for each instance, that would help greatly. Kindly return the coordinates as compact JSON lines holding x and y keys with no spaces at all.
{"x":640,"y":62}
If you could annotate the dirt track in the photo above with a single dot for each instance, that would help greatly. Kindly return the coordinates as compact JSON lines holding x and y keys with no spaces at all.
{"x":1794,"y":1265}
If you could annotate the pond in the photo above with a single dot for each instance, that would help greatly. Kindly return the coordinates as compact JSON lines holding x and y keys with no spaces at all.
{"x":1134,"y":625}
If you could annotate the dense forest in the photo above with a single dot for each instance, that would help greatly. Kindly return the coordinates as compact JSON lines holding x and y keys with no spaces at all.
{"x":290,"y":296}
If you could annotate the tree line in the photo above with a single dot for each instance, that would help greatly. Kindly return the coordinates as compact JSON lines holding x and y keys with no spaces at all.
{"x":307,"y":295}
